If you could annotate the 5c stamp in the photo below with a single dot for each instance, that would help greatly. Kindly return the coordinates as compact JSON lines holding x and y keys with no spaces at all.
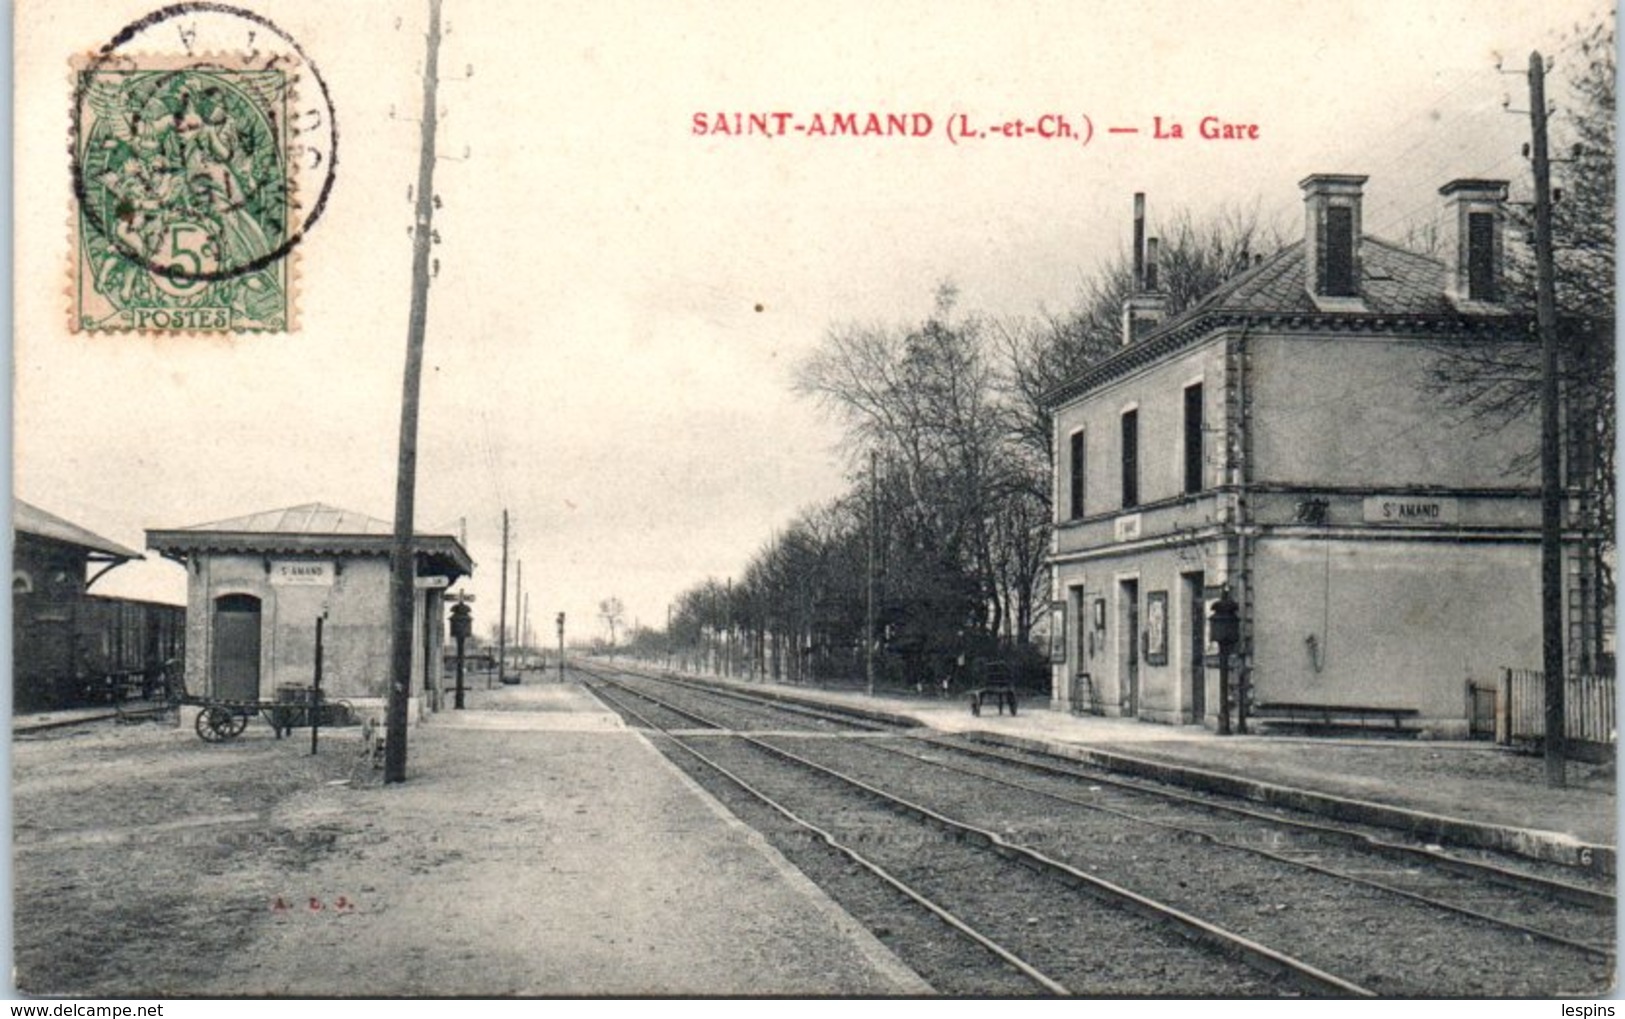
{"x":196,"y":173}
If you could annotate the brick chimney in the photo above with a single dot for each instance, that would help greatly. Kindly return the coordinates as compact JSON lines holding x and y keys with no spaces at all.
{"x":1472,"y":249}
{"x":1146,"y":306}
{"x":1332,"y":235}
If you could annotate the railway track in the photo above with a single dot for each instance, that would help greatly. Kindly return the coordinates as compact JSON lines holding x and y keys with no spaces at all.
{"x":1411,"y":920}
{"x":1025,"y":911}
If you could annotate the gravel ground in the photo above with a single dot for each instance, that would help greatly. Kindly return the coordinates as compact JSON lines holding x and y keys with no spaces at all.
{"x":512,"y":862}
{"x":1091,"y":948}
{"x":1381,"y":941}
{"x":1389,"y":944}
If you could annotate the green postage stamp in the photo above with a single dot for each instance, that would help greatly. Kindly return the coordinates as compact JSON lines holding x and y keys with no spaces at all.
{"x":184,"y":180}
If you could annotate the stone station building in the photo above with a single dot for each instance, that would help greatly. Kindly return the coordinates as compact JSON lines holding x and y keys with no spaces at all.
{"x":257,"y":584}
{"x":1281,"y":439}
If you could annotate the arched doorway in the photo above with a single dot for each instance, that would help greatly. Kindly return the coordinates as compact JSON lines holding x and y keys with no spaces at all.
{"x":236,"y":648}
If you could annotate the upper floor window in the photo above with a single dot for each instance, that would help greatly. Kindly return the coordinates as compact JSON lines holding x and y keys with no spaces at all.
{"x":1075,"y":468}
{"x":1131,"y":458}
{"x":1194,"y":458}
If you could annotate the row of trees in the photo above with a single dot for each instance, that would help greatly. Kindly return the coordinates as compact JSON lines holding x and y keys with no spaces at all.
{"x":950,"y":446}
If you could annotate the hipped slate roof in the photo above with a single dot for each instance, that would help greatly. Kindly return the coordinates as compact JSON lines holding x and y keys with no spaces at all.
{"x":311,"y":518}
{"x":1393,"y":281}
{"x":26,"y":518}
{"x":313,"y":528}
{"x":1399,"y":289}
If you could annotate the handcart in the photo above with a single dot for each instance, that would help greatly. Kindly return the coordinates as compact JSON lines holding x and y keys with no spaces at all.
{"x":294,"y":707}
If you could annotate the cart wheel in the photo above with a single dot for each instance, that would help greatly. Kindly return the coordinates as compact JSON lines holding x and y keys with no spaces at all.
{"x":215,"y":723}
{"x":239,"y":722}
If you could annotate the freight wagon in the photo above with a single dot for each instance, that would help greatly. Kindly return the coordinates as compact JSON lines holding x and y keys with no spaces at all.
{"x":89,"y":650}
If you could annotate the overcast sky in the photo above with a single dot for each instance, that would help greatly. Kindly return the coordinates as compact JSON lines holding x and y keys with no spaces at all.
{"x":621,"y":301}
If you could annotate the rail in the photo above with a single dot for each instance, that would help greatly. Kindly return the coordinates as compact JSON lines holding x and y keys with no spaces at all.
{"x":1305,"y":976}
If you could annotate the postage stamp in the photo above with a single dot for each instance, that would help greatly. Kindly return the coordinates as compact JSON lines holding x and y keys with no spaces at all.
{"x":203,"y":147}
{"x":184,"y":180}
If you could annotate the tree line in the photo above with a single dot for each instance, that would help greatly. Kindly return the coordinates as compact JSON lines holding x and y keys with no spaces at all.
{"x":948,"y":500}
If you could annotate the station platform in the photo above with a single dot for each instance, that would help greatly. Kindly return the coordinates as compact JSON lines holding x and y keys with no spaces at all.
{"x":539,"y":847}
{"x":1471,"y":793}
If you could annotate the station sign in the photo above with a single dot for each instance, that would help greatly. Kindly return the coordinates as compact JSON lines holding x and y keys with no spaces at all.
{"x":1411,"y":511}
{"x":1126,"y":528}
{"x":431,"y":583}
{"x":301,"y":573}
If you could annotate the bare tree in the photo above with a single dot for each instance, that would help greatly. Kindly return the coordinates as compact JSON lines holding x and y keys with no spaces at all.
{"x":927,"y":400}
{"x":1495,"y":385}
{"x":611,"y":611}
{"x":1195,"y":258}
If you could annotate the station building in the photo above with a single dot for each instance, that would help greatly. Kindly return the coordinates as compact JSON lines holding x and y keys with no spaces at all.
{"x":257,"y":584}
{"x":1280,"y":440}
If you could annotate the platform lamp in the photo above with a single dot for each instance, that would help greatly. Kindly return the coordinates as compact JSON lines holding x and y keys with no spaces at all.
{"x":561,"y":647}
{"x":1224,"y":628}
{"x":461,"y":627}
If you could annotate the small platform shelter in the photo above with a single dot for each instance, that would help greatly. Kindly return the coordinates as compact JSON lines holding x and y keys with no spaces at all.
{"x":257,"y":584}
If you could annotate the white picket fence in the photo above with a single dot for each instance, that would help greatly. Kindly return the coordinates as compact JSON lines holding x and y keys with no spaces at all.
{"x":1588,"y":708}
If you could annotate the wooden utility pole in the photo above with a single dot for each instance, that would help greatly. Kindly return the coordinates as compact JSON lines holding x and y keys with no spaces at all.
{"x":869,"y":607}
{"x":519,"y":612}
{"x":502,"y":614}
{"x":316,"y":686}
{"x":403,"y":560}
{"x":1551,"y":474}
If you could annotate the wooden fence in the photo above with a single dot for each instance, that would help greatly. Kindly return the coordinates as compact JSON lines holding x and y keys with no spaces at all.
{"x":1588,"y":708}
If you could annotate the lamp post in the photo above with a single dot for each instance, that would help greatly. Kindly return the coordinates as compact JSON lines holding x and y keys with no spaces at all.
{"x":1224,"y":626}
{"x":461,"y":627}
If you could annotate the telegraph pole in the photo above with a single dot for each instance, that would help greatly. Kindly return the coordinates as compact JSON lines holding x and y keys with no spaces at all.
{"x":519,"y":613}
{"x":869,"y":607}
{"x":1551,"y":476}
{"x":403,"y":559}
{"x":502,"y":616}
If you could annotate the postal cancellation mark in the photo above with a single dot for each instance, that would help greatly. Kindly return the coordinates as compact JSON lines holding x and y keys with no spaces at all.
{"x":185,"y":174}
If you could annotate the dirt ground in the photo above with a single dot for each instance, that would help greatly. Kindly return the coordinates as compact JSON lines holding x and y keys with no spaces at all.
{"x":550,"y":855}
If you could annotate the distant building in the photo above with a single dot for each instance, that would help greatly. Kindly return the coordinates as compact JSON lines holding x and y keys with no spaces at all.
{"x":1278,"y":439}
{"x":257,"y":584}
{"x":71,"y":648}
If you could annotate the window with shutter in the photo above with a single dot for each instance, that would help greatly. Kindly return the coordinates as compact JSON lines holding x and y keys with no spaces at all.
{"x":1131,"y":459}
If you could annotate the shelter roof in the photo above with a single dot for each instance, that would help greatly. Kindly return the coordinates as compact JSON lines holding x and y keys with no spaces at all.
{"x":26,"y":518}
{"x":311,"y":528}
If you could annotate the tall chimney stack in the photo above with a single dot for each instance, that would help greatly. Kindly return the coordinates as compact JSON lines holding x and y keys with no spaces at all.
{"x":1145,"y":307}
{"x":1332,"y":239}
{"x":1473,"y":249}
{"x":1139,"y":243}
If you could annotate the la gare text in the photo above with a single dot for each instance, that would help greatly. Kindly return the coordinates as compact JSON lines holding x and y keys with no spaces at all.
{"x":957,"y":126}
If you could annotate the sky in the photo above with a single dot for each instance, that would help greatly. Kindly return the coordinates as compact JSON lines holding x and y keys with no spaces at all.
{"x":621,"y":301}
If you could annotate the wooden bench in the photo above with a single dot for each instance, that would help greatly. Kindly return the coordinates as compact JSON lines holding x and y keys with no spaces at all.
{"x":1000,"y":693}
{"x":1333,"y":716}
